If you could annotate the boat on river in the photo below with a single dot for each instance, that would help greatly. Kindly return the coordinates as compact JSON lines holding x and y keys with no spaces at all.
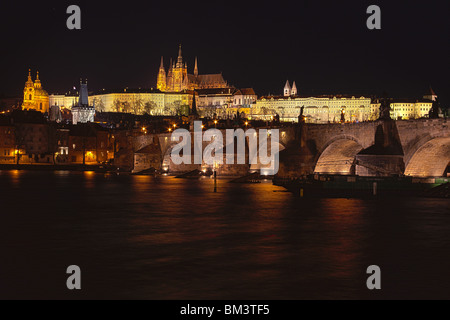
{"x":352,"y":186}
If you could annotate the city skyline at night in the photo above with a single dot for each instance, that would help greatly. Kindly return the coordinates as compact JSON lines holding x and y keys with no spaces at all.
{"x":224,"y":159}
{"x":327,"y":49}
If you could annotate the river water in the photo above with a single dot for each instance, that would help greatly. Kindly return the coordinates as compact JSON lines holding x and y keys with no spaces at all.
{"x":141,"y":237}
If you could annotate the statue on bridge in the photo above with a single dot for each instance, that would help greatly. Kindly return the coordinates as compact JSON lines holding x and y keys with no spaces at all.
{"x":385,"y":109}
{"x":301,"y":119}
{"x":435,"y":110}
{"x":342,"y":115}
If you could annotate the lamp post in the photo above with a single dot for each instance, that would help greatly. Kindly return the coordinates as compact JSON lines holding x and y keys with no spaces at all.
{"x":215,"y":180}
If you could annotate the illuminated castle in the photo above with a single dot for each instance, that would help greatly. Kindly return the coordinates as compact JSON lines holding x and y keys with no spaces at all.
{"x":34,"y":97}
{"x":177,"y":79}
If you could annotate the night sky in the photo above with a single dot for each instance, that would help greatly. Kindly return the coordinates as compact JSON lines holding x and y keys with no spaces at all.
{"x":324,"y":46}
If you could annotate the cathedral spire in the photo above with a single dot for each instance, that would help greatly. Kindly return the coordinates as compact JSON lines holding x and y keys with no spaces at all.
{"x":180,"y":58}
{"x":161,"y":79}
{"x":29,"y":75}
{"x":195,"y":68}
{"x":194,"y":106}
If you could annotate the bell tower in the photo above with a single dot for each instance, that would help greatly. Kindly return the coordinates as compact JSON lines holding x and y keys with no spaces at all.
{"x":28,"y":93}
{"x":287,"y":89}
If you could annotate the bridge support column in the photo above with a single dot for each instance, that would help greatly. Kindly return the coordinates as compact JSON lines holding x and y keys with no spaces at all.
{"x":379,"y":165}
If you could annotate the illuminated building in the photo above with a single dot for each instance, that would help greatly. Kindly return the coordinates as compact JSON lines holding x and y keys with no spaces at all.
{"x":328,"y":108}
{"x":430,"y":95}
{"x":177,"y":78}
{"x":173,"y":94}
{"x":88,"y":143}
{"x":83,"y":112}
{"x":136,"y":101}
{"x":317,"y":109}
{"x":225,"y":102}
{"x":32,"y":137}
{"x":7,"y":141}
{"x":410,"y":109}
{"x":34,"y":97}
{"x":63,"y":100}
{"x":245,"y":97}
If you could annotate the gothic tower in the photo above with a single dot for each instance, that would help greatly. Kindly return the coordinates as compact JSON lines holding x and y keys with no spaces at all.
{"x":161,"y":80}
{"x":294,"y":89}
{"x":179,"y":74}
{"x":195,"y":68}
{"x":287,"y":89}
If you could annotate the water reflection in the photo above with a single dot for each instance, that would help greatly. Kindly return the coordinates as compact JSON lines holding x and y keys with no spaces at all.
{"x":166,"y":238}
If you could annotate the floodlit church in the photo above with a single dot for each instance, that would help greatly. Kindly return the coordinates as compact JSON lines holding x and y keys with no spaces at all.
{"x":34,"y":97}
{"x":177,"y":79}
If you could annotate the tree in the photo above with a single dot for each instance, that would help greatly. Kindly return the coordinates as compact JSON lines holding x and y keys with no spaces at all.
{"x":264,"y":111}
{"x":166,"y":110}
{"x":176,"y":108}
{"x":20,"y":136}
{"x":117,"y":105}
{"x":149,"y":107}
{"x":99,"y":105}
{"x":137,"y":105}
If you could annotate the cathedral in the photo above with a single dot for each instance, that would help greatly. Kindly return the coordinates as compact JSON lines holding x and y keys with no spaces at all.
{"x":177,"y":79}
{"x":34,"y":97}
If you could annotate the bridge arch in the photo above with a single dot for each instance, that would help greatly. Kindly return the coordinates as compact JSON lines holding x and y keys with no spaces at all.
{"x":430,"y":159}
{"x":411,"y":148}
{"x":338,"y":156}
{"x":166,"y":159}
{"x":265,"y":168}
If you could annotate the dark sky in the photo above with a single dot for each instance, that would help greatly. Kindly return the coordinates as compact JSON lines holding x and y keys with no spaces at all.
{"x":324,"y":46}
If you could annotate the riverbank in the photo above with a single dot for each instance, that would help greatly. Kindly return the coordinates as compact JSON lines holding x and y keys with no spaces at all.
{"x":58,"y":167}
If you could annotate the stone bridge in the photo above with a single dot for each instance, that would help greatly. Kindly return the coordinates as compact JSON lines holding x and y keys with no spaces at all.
{"x":412,"y":147}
